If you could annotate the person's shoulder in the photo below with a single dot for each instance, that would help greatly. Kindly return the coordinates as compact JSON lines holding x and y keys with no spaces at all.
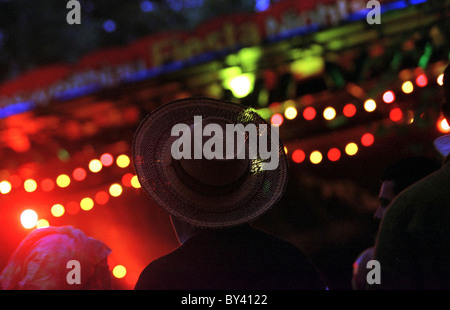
{"x":417,"y":202}
{"x":281,"y":249}
{"x":426,"y":189}
{"x":157,"y":271}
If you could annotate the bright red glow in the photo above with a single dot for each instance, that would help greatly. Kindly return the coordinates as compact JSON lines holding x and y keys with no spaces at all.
{"x":101,"y":198}
{"x":396,"y":115}
{"x":334,"y":154}
{"x":277,"y":119}
{"x":349,"y":110}
{"x":367,"y":139}
{"x":422,"y":80}
{"x":309,"y":113}
{"x":107,"y":159}
{"x":72,"y":207}
{"x":389,"y":97}
{"x":47,"y":185}
{"x":126,"y":179}
{"x":298,"y":156}
{"x":79,"y":174}
{"x":15,"y":181}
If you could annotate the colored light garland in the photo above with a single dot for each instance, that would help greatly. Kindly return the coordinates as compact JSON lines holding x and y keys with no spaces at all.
{"x":309,"y":113}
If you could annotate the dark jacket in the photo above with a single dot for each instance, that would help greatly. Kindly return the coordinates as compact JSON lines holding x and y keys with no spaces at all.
{"x":413,"y":244}
{"x":234,"y":258}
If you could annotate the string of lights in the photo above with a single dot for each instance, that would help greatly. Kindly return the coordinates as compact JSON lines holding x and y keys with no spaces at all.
{"x":309,"y":113}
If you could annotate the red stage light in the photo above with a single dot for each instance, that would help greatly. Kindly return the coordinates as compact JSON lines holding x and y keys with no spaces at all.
{"x":349,"y":110}
{"x":277,"y":119}
{"x":126,"y":179}
{"x":73,"y":207}
{"x":396,"y":115}
{"x":101,"y":198}
{"x":298,"y":156}
{"x":47,"y":185}
{"x":367,"y":139}
{"x":107,"y":159}
{"x":15,"y":181}
{"x":309,"y":113}
{"x":422,"y":80}
{"x":334,"y":154}
{"x":79,"y":174}
{"x":389,"y":97}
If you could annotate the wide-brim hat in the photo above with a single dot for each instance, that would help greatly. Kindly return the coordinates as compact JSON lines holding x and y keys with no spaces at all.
{"x":205,"y":192}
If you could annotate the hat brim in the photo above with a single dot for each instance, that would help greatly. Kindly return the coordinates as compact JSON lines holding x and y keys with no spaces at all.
{"x":442,"y":145}
{"x":154,"y":167}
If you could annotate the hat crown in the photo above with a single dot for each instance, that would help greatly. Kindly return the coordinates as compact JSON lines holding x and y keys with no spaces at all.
{"x":224,"y":169}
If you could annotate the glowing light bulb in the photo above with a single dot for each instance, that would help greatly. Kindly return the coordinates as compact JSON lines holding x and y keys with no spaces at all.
{"x":106,"y":159}
{"x":407,"y":87}
{"x":290,"y":113}
{"x":277,"y":119}
{"x":396,"y":114}
{"x":63,"y":180}
{"x":101,"y":197}
{"x":316,"y":157}
{"x":42,"y":223}
{"x":349,"y":110}
{"x":351,"y":149}
{"x":442,"y":125}
{"x":298,"y":156}
{"x":115,"y":190}
{"x":241,"y":85}
{"x":389,"y":97}
{"x":135,"y":182}
{"x":79,"y":174}
{"x":47,"y":185}
{"x":422,"y":80}
{"x":123,"y":161}
{"x":5,"y":187}
{"x":30,"y":185}
{"x":370,"y":105}
{"x":334,"y":154}
{"x":86,"y":204}
{"x":329,"y":113}
{"x":57,"y":210}
{"x":440,"y":79}
{"x":309,"y":113}
{"x":29,"y":218}
{"x":95,"y":165}
{"x":367,"y":139}
{"x":119,"y":271}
